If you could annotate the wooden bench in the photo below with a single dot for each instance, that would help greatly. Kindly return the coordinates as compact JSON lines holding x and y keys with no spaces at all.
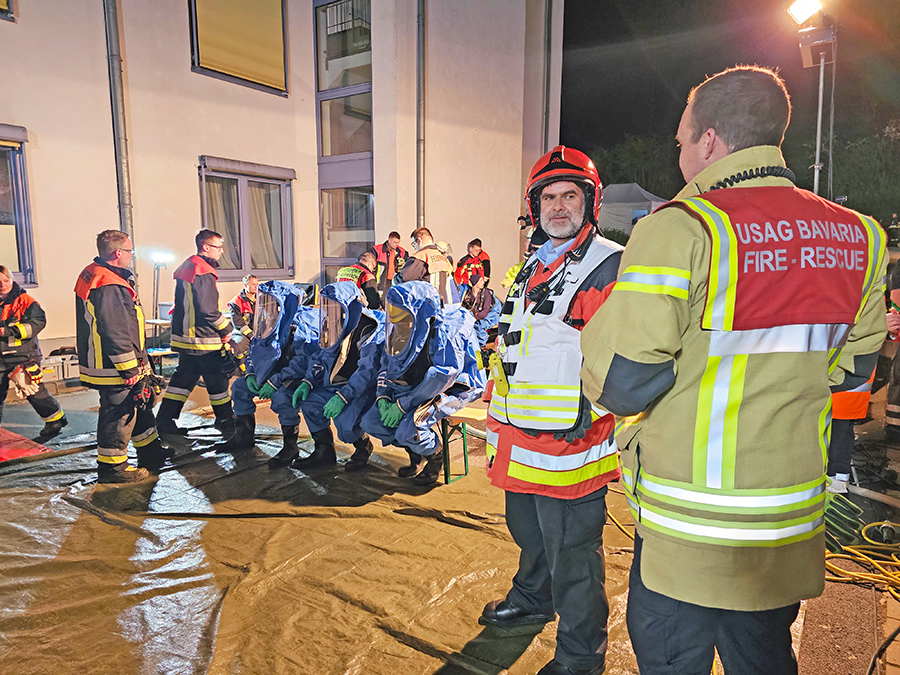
{"x":156,"y":357}
{"x":456,"y":423}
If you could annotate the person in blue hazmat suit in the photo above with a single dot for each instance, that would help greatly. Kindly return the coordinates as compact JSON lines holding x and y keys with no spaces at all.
{"x":285,"y":335}
{"x":429,"y":371}
{"x":340,"y":380}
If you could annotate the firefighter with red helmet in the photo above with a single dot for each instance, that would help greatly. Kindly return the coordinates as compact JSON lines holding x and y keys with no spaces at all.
{"x":547,"y":446}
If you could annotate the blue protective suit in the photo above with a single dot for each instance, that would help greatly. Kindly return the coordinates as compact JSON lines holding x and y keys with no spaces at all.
{"x":349,"y":367}
{"x":434,"y":376}
{"x":282,"y":354}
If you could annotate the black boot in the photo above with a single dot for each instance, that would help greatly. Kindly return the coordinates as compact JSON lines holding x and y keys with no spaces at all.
{"x":243,"y":437}
{"x":360,"y":458}
{"x":432,"y":469}
{"x":227,"y":426}
{"x":51,"y":430}
{"x":153,"y":456}
{"x":322,"y":455}
{"x":289,"y":451}
{"x":410,"y":469}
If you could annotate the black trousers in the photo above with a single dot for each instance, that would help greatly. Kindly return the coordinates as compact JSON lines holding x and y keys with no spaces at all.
{"x":840,"y":450}
{"x":189,"y":371}
{"x":671,"y":637}
{"x":118,"y":422}
{"x":42,"y":401}
{"x":561,"y":568}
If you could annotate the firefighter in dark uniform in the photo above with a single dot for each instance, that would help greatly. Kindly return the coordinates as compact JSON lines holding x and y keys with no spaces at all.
{"x":362,"y":273}
{"x":199,"y":334}
{"x":112,"y":358}
{"x":21,"y":319}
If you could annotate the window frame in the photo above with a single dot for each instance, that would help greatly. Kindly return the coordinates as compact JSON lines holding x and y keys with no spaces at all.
{"x":234,"y":79}
{"x":14,"y":139}
{"x":348,"y":171}
{"x":9,"y":14}
{"x":244,"y":172}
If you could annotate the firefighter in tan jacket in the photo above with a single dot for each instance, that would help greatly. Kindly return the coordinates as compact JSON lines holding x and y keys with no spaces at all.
{"x":717,"y":332}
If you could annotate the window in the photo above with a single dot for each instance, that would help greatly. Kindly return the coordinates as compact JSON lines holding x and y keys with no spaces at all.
{"x":250,"y":205}
{"x":7,"y":11}
{"x":344,"y":99}
{"x":343,"y":33}
{"x":16,"y":245}
{"x":348,"y":222}
{"x":240,"y":42}
{"x":346,"y":124}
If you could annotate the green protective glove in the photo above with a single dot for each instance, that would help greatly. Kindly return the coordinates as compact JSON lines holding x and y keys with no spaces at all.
{"x":252,"y":384}
{"x":300,"y":394}
{"x":391,"y":416}
{"x":266,"y":391}
{"x":334,"y":407}
{"x":383,"y":404}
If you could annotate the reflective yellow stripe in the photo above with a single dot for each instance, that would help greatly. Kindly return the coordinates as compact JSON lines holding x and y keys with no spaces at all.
{"x":175,"y":343}
{"x":127,"y":365}
{"x":655,"y":280}
{"x":221,"y":323}
{"x":140,"y":318}
{"x":721,"y":292}
{"x":95,"y":337}
{"x":58,"y":415}
{"x":145,"y":438}
{"x":624,"y":423}
{"x":715,"y":431}
{"x":112,"y":459}
{"x":563,"y":478}
{"x":175,"y":397}
{"x":189,"y":300}
{"x":93,"y":379}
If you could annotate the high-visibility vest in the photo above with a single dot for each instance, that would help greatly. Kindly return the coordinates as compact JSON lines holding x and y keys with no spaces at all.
{"x":789,"y":273}
{"x":440,"y":271}
{"x":356,"y":273}
{"x":541,"y":352}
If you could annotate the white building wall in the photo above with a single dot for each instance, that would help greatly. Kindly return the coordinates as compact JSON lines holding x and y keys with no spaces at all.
{"x":477,"y":129}
{"x":55,"y":84}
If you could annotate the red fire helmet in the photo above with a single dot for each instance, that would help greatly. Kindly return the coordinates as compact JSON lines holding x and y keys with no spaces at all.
{"x":564,"y":163}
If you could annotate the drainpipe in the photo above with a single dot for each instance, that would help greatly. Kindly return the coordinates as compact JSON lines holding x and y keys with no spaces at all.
{"x":420,"y":114}
{"x":548,"y":51}
{"x":117,"y":101}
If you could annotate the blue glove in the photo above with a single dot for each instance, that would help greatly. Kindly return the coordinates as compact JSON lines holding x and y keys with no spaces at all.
{"x":391,"y":416}
{"x":266,"y":391}
{"x":334,"y":407}
{"x":300,"y":394}
{"x":252,"y":384}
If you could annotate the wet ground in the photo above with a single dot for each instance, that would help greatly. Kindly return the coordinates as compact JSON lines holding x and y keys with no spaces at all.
{"x":225,"y":566}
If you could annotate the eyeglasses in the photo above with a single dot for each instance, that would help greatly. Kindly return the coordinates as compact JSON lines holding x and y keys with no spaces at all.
{"x":127,"y":250}
{"x":215,"y":245}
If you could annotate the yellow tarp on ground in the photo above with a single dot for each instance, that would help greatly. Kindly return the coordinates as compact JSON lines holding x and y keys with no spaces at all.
{"x":225,"y":566}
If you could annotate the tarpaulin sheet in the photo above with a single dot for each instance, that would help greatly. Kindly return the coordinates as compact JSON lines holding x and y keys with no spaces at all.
{"x":225,"y":566}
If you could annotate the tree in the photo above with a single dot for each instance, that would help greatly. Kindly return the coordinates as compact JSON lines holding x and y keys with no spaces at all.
{"x":650,"y":161}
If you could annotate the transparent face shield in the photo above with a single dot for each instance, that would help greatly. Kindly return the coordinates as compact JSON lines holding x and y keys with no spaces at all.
{"x":333,"y":317}
{"x":399,"y":329}
{"x":268,"y":310}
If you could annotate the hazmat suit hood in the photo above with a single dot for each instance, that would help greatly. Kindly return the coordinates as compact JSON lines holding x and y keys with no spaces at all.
{"x":411,"y":309}
{"x":342,"y":307}
{"x":277,"y":303}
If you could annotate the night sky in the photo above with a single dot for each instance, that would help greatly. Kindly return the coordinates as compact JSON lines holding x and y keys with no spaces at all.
{"x":628,"y":65}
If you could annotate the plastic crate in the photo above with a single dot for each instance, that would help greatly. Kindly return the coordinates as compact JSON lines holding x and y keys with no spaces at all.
{"x":63,"y":367}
